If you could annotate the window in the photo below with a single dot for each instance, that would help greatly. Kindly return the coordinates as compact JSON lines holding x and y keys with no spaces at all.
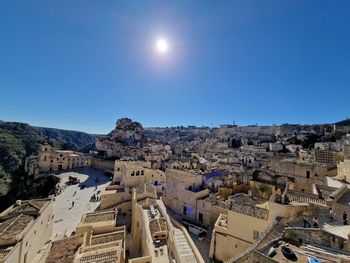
{"x":118,"y":169}
{"x":45,"y":149}
{"x":142,"y":173}
{"x":137,"y":173}
{"x":316,"y":175}
{"x":185,"y":210}
{"x":200,"y":217}
{"x":307,"y":174}
{"x":45,"y":158}
{"x":132,"y":173}
{"x":255,"y":234}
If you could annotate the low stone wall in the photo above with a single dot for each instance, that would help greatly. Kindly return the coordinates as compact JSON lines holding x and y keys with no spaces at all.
{"x":316,"y":236}
{"x":253,"y":211}
{"x":256,"y":257}
{"x":296,"y":196}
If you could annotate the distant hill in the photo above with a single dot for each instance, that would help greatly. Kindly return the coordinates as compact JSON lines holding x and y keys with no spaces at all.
{"x":19,"y":140}
{"x":343,"y":123}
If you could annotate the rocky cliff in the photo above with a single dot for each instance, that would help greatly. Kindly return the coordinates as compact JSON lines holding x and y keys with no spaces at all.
{"x":19,"y":140}
{"x":127,"y":136}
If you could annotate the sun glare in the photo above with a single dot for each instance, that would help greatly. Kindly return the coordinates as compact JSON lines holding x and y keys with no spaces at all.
{"x":162,"y":46}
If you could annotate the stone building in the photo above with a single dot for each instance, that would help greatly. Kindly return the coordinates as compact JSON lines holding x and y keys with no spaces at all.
{"x":126,"y":176}
{"x":326,"y":156}
{"x":344,"y":166}
{"x":344,"y":170}
{"x":302,"y":173}
{"x":155,"y":237}
{"x":183,"y":189}
{"x":50,"y":159}
{"x":209,"y":209}
{"x":96,"y":239}
{"x":25,"y":228}
{"x":131,"y":174}
{"x":246,"y":221}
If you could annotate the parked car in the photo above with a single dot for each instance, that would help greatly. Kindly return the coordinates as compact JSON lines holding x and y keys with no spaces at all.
{"x":73,"y":180}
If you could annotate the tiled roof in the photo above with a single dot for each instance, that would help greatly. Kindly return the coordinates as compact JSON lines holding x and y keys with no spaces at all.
{"x":14,"y":226}
{"x":100,"y":216}
{"x":64,"y":250}
{"x":31,"y":207}
{"x":105,"y":238}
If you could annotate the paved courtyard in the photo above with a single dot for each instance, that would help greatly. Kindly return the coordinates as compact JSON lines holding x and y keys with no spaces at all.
{"x":67,"y":216}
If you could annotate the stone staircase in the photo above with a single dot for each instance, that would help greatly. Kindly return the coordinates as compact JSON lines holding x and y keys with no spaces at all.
{"x":274,"y":234}
{"x":183,"y":248}
{"x":343,"y":204}
{"x":339,"y":209}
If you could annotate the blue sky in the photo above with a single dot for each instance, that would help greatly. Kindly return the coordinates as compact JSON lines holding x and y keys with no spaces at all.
{"x":83,"y":64}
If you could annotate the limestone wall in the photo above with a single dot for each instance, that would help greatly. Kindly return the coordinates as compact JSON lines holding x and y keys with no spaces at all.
{"x":102,"y":164}
{"x":313,"y":236}
{"x":112,"y":198}
{"x":253,"y":211}
{"x":256,"y":257}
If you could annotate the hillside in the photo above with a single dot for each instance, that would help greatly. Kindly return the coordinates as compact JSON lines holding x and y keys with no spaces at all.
{"x":343,"y":123}
{"x":19,"y":140}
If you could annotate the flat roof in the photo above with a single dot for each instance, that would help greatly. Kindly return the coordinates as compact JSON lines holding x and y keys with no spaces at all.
{"x":100,"y":216}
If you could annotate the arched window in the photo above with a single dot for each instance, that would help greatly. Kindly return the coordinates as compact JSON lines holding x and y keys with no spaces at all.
{"x":142,"y":173}
{"x":137,"y":172}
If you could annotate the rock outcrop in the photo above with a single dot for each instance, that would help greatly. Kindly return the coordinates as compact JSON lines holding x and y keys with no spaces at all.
{"x":125,"y":140}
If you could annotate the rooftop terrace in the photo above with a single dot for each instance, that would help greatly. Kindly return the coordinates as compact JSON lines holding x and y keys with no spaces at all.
{"x":100,"y":216}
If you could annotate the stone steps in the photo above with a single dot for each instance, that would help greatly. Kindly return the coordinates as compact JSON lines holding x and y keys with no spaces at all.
{"x":184,"y":250}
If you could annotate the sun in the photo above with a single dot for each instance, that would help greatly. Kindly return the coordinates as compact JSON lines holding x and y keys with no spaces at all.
{"x":162,"y":46}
